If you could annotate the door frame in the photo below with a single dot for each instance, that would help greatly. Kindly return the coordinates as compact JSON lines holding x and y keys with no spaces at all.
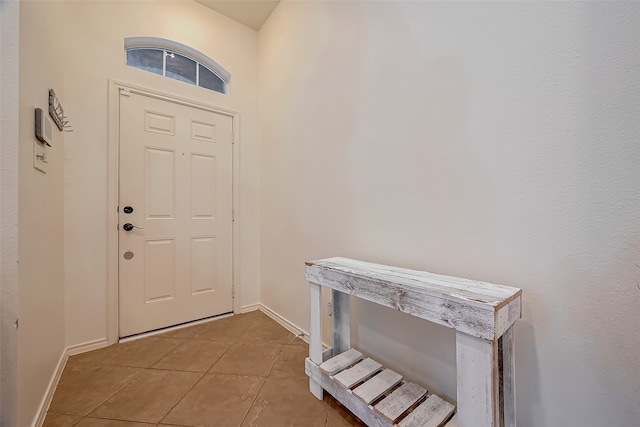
{"x":114,"y":185}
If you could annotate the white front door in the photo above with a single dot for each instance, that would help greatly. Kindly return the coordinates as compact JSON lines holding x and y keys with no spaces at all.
{"x":175,"y":213}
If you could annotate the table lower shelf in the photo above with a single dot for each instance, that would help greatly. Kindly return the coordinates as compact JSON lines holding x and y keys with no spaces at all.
{"x":379,"y":396}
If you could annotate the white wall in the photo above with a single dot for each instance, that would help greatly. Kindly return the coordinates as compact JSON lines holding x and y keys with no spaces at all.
{"x":95,"y":42}
{"x":9,"y":99}
{"x":41,"y":336}
{"x":494,"y":141}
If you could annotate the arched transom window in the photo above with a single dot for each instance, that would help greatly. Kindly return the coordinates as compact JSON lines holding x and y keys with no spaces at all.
{"x":176,"y":61}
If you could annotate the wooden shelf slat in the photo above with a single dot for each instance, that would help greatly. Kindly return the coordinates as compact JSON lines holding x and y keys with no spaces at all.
{"x":433,"y":412}
{"x":341,"y":361}
{"x":358,"y":373}
{"x":398,"y":402}
{"x":375,"y":387}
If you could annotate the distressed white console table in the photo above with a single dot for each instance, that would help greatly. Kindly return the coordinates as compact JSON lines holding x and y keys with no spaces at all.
{"x":482,"y":314}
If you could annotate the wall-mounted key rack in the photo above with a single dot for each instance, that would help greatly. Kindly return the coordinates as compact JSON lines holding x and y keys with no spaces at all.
{"x":57,"y":113}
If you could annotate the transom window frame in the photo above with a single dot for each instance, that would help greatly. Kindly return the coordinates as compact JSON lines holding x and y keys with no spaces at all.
{"x":189,"y":52}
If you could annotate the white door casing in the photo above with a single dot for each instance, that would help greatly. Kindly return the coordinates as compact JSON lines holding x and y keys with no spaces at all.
{"x":175,"y":163}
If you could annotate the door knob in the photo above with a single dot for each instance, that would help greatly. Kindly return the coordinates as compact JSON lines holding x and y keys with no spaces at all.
{"x":128,"y":227}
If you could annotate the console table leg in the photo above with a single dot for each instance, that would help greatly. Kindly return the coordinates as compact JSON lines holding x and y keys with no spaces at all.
{"x":315,"y":334}
{"x":341,"y":325}
{"x":508,"y":377}
{"x":478,"y":382}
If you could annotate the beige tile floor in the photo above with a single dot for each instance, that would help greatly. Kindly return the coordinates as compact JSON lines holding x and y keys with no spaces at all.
{"x":245,"y":370}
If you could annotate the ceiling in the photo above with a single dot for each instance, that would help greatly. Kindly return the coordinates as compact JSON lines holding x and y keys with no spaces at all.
{"x":252,"y":13}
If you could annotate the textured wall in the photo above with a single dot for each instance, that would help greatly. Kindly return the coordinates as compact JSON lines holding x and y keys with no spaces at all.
{"x":41,"y":336}
{"x":495,"y":141}
{"x":9,"y":97}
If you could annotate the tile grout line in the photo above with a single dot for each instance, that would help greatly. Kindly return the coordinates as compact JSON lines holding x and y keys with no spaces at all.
{"x":236,"y":341}
{"x":61,"y":413}
{"x":182,"y":398}
{"x":145,"y":370}
{"x":111,"y":419}
{"x":119,"y":388}
{"x":102,"y":365}
{"x":262,"y":386}
{"x":83,"y":416}
{"x":196,"y":383}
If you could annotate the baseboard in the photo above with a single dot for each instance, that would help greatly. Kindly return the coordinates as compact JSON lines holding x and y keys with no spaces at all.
{"x":291,"y":327}
{"x":51,"y":388}
{"x":249,"y":308}
{"x":87,"y":346}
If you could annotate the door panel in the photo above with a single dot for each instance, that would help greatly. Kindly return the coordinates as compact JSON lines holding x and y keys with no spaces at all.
{"x":176,"y":173}
{"x":159,"y":263}
{"x":203,"y":180}
{"x":203,"y":131}
{"x":160,"y":182}
{"x":160,"y":123}
{"x":203,"y":264}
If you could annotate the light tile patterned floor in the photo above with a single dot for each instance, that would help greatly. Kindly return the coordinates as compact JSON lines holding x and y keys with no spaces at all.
{"x":244,"y":370}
